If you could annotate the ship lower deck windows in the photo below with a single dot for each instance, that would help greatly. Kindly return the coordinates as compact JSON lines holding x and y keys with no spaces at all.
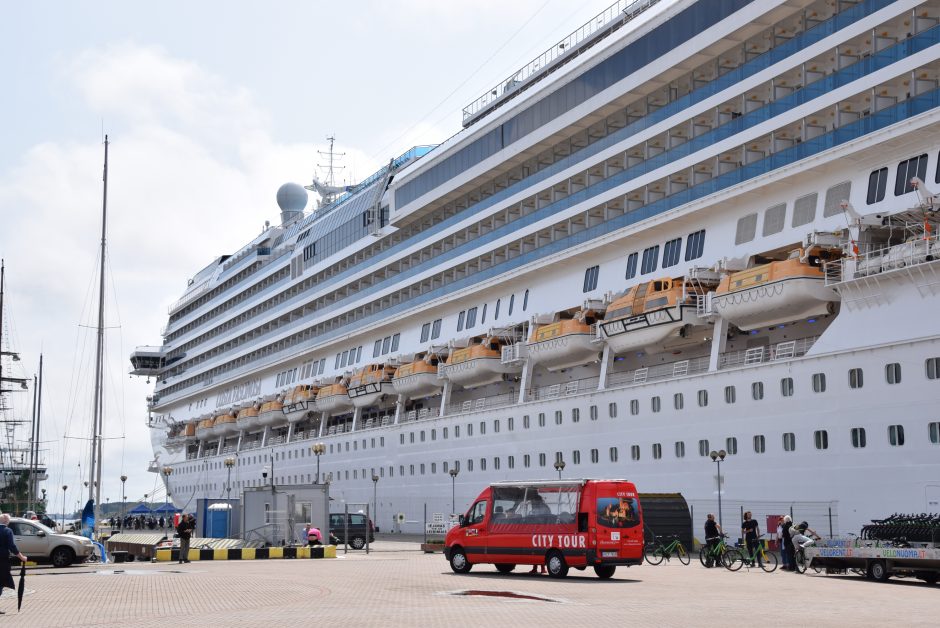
{"x":471,"y":317}
{"x":656,"y":404}
{"x":896,"y":435}
{"x":482,"y":428}
{"x":575,"y":415}
{"x":819,"y":382}
{"x":496,"y":426}
{"x":731,"y":445}
{"x":613,"y":454}
{"x":542,"y":460}
{"x":821,"y":439}
{"x":893,"y":373}
{"x":512,"y":303}
{"x":595,"y":456}
{"x":444,"y":432}
{"x":590,"y":278}
{"x":541,"y":419}
{"x":789,"y":441}
{"x":525,"y":421}
{"x":702,"y":398}
{"x":678,"y":401}
{"x":731,"y":394}
{"x":592,"y":411}
{"x":786,"y":387}
{"x":557,"y":417}
{"x":469,"y":430}
{"x":650,"y":260}
{"x":760,"y":444}
{"x":933,"y":432}
{"x":634,"y":407}
{"x":695,"y":245}
{"x":460,"y":318}
{"x":757,"y":390}
{"x":877,"y":184}
{"x":856,"y":378}
{"x":612,"y":410}
{"x":703,"y":448}
{"x":774,"y":219}
{"x":932,"y":368}
{"x":576,"y":456}
{"x":511,"y":424}
{"x":804,"y":210}
{"x":747,"y":229}
{"x":907,"y":170}
{"x":631,"y":265}
{"x":680,"y":449}
{"x":671,"y":252}
{"x":525,"y":301}
{"x":511,"y":462}
{"x":657,"y":451}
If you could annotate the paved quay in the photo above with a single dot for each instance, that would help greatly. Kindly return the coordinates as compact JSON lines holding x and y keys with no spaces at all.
{"x":397,"y":585}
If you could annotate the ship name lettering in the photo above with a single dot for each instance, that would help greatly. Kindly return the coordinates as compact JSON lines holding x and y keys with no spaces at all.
{"x":238,"y":392}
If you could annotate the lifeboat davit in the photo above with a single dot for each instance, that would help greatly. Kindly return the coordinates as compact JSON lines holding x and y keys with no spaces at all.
{"x":778,"y":292}
{"x":204,"y":429}
{"x":225,"y":424}
{"x":300,"y":401}
{"x":370,"y":385}
{"x":563,"y":343}
{"x":648,"y":314}
{"x":332,"y":399}
{"x":247,"y":417}
{"x":479,"y":364}
{"x":176,"y":437}
{"x":418,"y":379}
{"x":272,"y":412}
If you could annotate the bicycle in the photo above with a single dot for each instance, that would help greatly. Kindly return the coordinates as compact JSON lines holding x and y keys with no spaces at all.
{"x":767,"y":561}
{"x":656,"y":552}
{"x":799,"y":557}
{"x":716,"y":554}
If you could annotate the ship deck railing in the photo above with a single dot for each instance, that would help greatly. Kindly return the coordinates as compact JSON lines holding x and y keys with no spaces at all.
{"x":880,"y":260}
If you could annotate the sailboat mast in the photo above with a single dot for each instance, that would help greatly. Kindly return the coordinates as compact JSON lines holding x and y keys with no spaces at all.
{"x":94,"y":472}
{"x":38,"y":421}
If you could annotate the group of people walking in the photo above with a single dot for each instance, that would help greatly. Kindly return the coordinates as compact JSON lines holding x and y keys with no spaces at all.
{"x":791,"y":536}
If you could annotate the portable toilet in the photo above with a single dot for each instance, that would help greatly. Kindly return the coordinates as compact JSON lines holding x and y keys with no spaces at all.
{"x":217,"y":521}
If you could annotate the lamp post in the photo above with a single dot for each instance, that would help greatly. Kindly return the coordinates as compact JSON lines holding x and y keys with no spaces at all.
{"x":229,"y":463}
{"x":717,"y":457}
{"x":453,"y":489}
{"x":123,"y":501}
{"x":375,"y":503}
{"x":559,"y":466}
{"x":318,"y":450}
{"x":65,"y":487}
{"x":167,"y":471}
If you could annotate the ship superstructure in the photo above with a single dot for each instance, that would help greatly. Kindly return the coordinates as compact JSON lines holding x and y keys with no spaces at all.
{"x":690,"y":226}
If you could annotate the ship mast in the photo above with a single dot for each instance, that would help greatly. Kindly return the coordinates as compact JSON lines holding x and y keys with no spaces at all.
{"x":94,"y":469}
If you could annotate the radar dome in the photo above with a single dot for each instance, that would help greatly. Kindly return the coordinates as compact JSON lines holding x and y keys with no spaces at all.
{"x":291,"y":197}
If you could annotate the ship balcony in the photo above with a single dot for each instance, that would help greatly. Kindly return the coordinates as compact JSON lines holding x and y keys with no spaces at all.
{"x":147,"y":361}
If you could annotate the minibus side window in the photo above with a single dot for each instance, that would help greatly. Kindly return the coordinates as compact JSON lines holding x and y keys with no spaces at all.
{"x":478,"y":513}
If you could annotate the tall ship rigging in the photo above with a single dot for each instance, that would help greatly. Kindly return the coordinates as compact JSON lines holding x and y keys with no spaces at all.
{"x":689,"y":226}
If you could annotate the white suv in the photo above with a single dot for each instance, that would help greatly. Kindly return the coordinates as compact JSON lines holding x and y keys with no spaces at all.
{"x":39,"y":542}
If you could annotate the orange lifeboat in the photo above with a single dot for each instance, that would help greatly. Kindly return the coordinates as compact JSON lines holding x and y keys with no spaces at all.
{"x":333,"y":398}
{"x":204,"y":428}
{"x":369,"y":385}
{"x":649,"y":314}
{"x":301,"y":400}
{"x":776,"y":292}
{"x":563,"y":343}
{"x":479,"y":364}
{"x":225,"y":424}
{"x":272,"y":411}
{"x":247,"y":417}
{"x":419,"y":378}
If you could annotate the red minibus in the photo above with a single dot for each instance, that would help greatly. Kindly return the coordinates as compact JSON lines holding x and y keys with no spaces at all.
{"x":561,"y":524}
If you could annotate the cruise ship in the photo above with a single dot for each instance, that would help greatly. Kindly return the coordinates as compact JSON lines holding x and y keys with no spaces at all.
{"x":688,"y":227}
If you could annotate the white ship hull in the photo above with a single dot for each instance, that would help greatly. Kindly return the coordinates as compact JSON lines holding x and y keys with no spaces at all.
{"x":776,"y":302}
{"x":564,"y":352}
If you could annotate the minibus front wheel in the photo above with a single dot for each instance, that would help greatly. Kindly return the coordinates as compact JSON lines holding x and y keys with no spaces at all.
{"x":458,"y":561}
{"x":557,"y":567}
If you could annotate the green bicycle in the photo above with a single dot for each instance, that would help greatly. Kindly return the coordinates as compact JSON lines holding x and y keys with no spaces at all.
{"x":739,"y":556}
{"x":656,"y":552}
{"x":717,"y":555}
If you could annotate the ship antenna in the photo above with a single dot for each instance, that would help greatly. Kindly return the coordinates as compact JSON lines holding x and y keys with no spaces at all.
{"x":331,"y":157}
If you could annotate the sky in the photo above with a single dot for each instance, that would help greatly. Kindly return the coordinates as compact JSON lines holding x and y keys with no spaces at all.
{"x":209,"y":107}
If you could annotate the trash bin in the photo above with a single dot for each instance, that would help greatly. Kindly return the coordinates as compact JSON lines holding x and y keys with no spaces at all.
{"x":119,"y":556}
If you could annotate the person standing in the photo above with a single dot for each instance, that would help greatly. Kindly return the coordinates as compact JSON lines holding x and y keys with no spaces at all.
{"x":712,"y":537}
{"x":7,"y":548}
{"x":185,"y":531}
{"x":789,"y":558}
{"x":750,"y":530}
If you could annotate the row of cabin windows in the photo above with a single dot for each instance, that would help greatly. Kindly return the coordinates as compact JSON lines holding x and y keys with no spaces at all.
{"x":907,"y":170}
{"x":431,"y":331}
{"x":286,"y":378}
{"x":386,"y":345}
{"x":312,"y":368}
{"x":694,"y":249}
{"x":348,"y":357}
{"x":466,"y":319}
{"x":804,"y":212}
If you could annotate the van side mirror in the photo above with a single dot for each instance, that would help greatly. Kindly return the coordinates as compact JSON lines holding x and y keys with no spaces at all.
{"x":40,"y":533}
{"x":462,"y":520}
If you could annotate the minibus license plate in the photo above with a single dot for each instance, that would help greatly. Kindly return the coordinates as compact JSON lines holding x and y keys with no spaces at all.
{"x":608,"y":554}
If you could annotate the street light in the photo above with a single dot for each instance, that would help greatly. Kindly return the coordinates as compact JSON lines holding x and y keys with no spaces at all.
{"x":559,"y":466}
{"x":375,"y":503}
{"x":229,"y":463}
{"x":318,"y":450}
{"x":717,"y":457}
{"x":453,"y":489}
{"x":123,"y":501}
{"x":65,"y":487}
{"x":167,"y":471}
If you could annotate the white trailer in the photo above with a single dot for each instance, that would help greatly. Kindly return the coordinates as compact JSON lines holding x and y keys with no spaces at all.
{"x":921,"y":560}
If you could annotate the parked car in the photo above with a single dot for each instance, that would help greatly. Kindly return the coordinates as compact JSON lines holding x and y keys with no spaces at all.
{"x":359,"y":528}
{"x":41,"y":543}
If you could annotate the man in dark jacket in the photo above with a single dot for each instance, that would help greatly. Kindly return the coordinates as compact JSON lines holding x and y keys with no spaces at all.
{"x":788,"y":550}
{"x":712,"y":537}
{"x":7,"y":548}
{"x":185,"y":531}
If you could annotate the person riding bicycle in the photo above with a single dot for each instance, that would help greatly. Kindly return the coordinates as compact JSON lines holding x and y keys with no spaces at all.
{"x":803,"y":535}
{"x":712,"y":537}
{"x":750,"y":530}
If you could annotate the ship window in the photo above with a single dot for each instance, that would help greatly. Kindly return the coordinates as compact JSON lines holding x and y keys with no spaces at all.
{"x":460,"y":318}
{"x":511,"y":462}
{"x":496,"y":426}
{"x":412,"y":435}
{"x":657,"y":451}
{"x":731,"y":394}
{"x":456,"y":431}
{"x":557,"y":417}
{"x":541,"y":460}
{"x":425,"y":332}
{"x":541,"y":419}
{"x":635,"y":452}
{"x":650,"y":259}
{"x":525,"y":301}
{"x":336,"y":364}
{"x":590,"y":278}
{"x":386,"y":344}
{"x":482,"y":464}
{"x":760,"y":444}
{"x":496,"y":311}
{"x":433,"y":437}
{"x":496,"y":464}
{"x":933,"y":432}
{"x":932,"y":367}
{"x":655,"y":404}
{"x":469,"y":429}
{"x":703,"y":449}
{"x":702,"y":398}
{"x":786,"y":386}
{"x":856,"y":379}
{"x":671,"y":252}
{"x":821,"y":439}
{"x":595,"y":456}
{"x":593,"y":412}
{"x":678,"y":401}
{"x":613,"y":454}
{"x":834,"y":197}
{"x":433,"y":467}
{"x":789,"y":441}
{"x":936,"y":177}
{"x":512,"y":302}
{"x":896,"y":435}
{"x":757,"y":390}
{"x":445,"y":433}
{"x":631,"y":265}
{"x":436,"y":329}
{"x":747,"y":229}
{"x":612,"y":410}
{"x":359,"y":353}
{"x":377,"y":349}
{"x":575,"y":415}
{"x":858,"y":437}
{"x":695,"y":245}
{"x":525,"y":421}
{"x":469,"y":464}
{"x":471,"y":317}
{"x":731,"y":445}
{"x":877,"y":182}
{"x":483,"y":315}
{"x":511,"y":424}
{"x":526,"y":461}
{"x":680,"y":449}
{"x":893,"y":373}
{"x":907,"y":170}
{"x":395,"y":340}
{"x":819,"y":382}
{"x":576,"y":456}
{"x":634,"y":407}
{"x":482,"y":428}
{"x":774,"y":219}
{"x":804,"y":210}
